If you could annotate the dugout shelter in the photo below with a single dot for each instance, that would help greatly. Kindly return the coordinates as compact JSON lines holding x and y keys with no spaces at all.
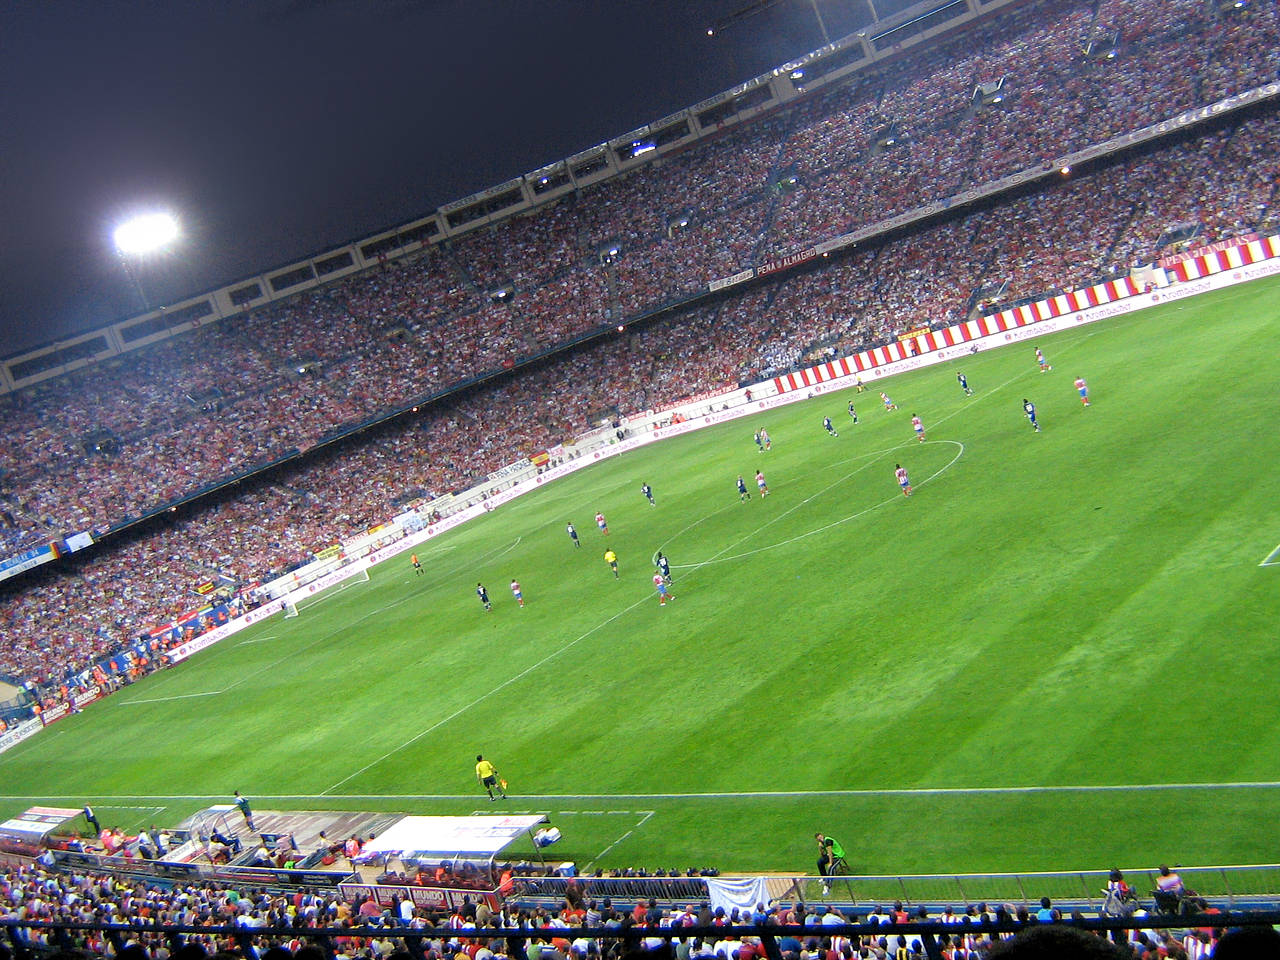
{"x":437,"y":861}
{"x":37,"y":829}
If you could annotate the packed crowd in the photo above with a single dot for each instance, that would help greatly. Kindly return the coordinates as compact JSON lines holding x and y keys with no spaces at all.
{"x":280,"y":925}
{"x":132,"y":435}
{"x":116,"y":441}
{"x":63,"y":619}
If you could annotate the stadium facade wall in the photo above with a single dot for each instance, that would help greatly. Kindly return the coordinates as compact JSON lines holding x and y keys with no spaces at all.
{"x":1251,"y":260}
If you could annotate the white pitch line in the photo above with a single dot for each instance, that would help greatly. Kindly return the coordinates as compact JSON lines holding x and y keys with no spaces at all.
{"x":531,"y":668}
{"x":181,"y":696}
{"x":257,"y":640}
{"x":1270,"y":559}
{"x":711,"y":795}
{"x":600,"y":856}
{"x":301,"y":650}
{"x":131,"y":806}
{"x":485,"y":696}
{"x":835,"y":523}
{"x":943,"y":419}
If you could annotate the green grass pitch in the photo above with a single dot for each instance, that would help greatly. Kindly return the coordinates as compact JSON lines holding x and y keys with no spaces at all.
{"x":1078,"y":608}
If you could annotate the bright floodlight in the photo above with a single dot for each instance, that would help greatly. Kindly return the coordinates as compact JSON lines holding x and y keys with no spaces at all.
{"x":146,"y":233}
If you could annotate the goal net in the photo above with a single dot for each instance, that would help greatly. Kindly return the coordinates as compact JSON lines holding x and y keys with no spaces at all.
{"x":319,"y":591}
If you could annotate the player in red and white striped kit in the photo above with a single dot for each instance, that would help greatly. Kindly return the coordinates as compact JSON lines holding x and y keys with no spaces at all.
{"x":918,"y":426}
{"x":1083,"y":389}
{"x":900,"y":472}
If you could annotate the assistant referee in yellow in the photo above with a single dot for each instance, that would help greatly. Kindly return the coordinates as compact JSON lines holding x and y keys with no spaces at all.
{"x":487,"y":774}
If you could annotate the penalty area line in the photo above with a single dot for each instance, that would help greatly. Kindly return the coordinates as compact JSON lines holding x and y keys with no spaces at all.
{"x":131,"y":806}
{"x":648,"y":814}
{"x":562,"y":649}
{"x":181,"y":696}
{"x":321,"y":639}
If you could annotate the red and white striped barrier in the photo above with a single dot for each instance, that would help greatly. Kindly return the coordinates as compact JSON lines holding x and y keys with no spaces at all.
{"x":1232,"y":258}
{"x":1247,"y":261}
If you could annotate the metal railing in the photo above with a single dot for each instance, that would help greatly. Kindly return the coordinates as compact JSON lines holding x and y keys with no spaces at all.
{"x":1230,"y":887}
{"x":616,"y":888}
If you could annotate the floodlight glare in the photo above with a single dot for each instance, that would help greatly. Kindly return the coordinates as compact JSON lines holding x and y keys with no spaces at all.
{"x":148,"y":232}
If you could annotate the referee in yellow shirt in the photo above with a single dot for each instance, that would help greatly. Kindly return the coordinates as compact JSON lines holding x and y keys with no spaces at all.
{"x":487,"y":774}
{"x":611,"y":559}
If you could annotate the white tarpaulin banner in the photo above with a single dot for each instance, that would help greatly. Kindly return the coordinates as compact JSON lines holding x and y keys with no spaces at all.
{"x":743,"y":894}
{"x":451,"y":835}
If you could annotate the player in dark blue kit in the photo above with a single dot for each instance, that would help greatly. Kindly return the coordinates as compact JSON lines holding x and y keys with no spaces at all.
{"x":648,"y":493}
{"x":664,"y":567}
{"x":964,"y":384}
{"x":483,"y":594}
{"x":573,"y":534}
{"x":853,"y":414}
{"x":1029,"y":409}
{"x":743,"y":493}
{"x":826,"y":425}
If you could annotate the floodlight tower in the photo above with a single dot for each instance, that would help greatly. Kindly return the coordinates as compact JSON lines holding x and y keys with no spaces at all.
{"x":146,"y":234}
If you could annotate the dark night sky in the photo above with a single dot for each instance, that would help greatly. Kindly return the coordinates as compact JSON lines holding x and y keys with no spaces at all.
{"x":278,"y":128}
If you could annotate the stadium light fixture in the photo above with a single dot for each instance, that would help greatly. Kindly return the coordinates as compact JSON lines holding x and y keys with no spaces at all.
{"x":145,"y":234}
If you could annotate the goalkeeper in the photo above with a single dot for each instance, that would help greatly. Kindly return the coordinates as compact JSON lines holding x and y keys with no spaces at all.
{"x":830,"y":859}
{"x":487,"y":774}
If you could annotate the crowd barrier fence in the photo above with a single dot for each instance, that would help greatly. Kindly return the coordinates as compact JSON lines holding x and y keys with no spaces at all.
{"x":1228,"y":886}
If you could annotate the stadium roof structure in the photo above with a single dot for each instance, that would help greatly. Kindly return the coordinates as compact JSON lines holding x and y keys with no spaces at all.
{"x":451,"y":838}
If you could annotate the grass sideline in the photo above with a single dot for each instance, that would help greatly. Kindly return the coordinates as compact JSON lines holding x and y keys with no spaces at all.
{"x":1080,"y":608}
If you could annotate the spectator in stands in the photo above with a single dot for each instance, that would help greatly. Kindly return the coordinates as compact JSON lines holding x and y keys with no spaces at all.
{"x":1169,"y":882}
{"x":1056,"y":942}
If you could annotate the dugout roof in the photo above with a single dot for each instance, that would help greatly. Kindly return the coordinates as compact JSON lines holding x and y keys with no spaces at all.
{"x":445,"y":838}
{"x":36,"y":823}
